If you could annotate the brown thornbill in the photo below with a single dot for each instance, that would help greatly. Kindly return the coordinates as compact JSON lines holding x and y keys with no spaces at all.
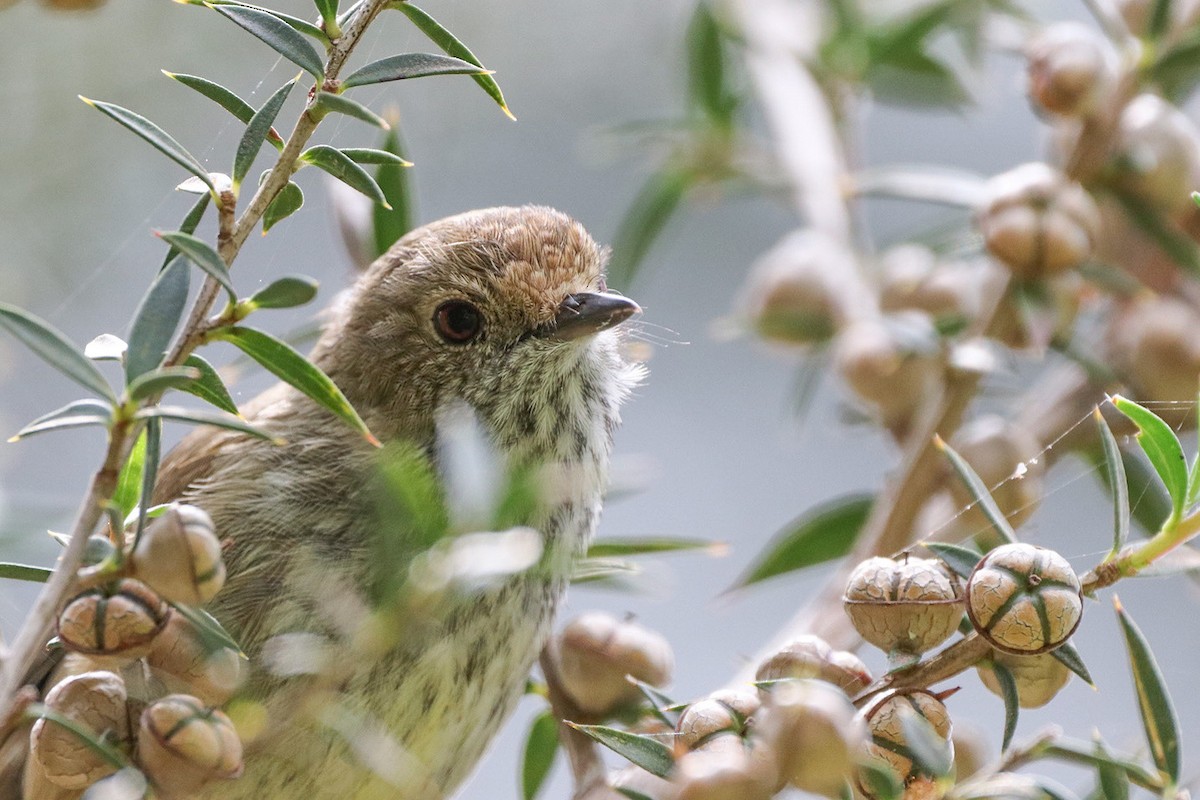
{"x":498,"y":316}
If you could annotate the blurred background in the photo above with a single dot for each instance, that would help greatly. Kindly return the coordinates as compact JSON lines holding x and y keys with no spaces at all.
{"x":712,"y":440}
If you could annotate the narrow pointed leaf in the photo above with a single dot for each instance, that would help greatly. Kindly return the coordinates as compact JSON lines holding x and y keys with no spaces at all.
{"x":256,"y":132}
{"x":822,"y":534}
{"x":149,"y":472}
{"x":1154,"y":703}
{"x":1149,"y":502}
{"x":1118,"y":485}
{"x":129,"y":481}
{"x":209,"y":386}
{"x":393,"y":179}
{"x":346,"y":15}
{"x":279,"y":35}
{"x":190,"y":222}
{"x":452,"y":46}
{"x":649,"y":754}
{"x":340,"y":166}
{"x":879,"y":781}
{"x":159,"y":139}
{"x":295,"y":23}
{"x":226,"y":99}
{"x":1075,"y":751}
{"x":201,"y":253}
{"x":645,"y":220}
{"x":106,"y":347}
{"x":328,"y":9}
{"x":212,"y":633}
{"x":409,"y":65}
{"x":97,"y":744}
{"x":76,"y":414}
{"x":197,"y":416}
{"x":289,"y":200}
{"x":931,"y":754}
{"x":24,"y":572}
{"x":296,"y":370}
{"x":1114,"y":782}
{"x":286,"y":292}
{"x":327,"y":103}
{"x":53,"y":347}
{"x":159,"y":380}
{"x":979,"y":492}
{"x":541,"y":746}
{"x":368,"y":155}
{"x":959,"y":558}
{"x":614,"y":546}
{"x":156,"y":319}
{"x":1012,"y":702}
{"x":1069,"y":657}
{"x":1162,"y":448}
{"x":707,"y":83}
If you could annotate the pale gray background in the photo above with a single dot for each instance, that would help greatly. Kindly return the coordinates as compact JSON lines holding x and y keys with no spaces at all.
{"x":727,"y":458}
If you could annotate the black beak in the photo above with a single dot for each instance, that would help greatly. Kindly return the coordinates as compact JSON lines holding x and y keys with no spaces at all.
{"x":588,"y":313}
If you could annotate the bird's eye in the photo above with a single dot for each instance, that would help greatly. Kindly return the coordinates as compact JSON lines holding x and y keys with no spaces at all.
{"x":457,"y":321}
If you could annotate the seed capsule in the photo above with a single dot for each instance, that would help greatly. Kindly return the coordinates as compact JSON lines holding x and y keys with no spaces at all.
{"x":595,"y":653}
{"x":1024,"y":599}
{"x":878,"y":363}
{"x":184,"y":746}
{"x":911,"y":605}
{"x":113,"y":624}
{"x":179,"y":556}
{"x":1037,"y":222}
{"x":1156,"y":343}
{"x":1038,"y":678}
{"x":711,"y":716}
{"x":95,"y":700}
{"x":186,"y":662}
{"x":815,"y":733}
{"x":812,"y":657}
{"x":885,"y":725}
{"x":1071,"y":69}
{"x":1160,"y":149}
{"x":911,"y":278}
{"x":731,"y":771}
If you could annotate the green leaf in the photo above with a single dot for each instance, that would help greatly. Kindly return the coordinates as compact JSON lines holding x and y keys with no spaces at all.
{"x":326,"y":103}
{"x":915,"y":78}
{"x":213,"y":635}
{"x":295,"y":23}
{"x":823,"y":533}
{"x":616,"y":546}
{"x":226,"y":99}
{"x":959,"y":558}
{"x":541,"y":746}
{"x":368,"y":155}
{"x":24,"y":572}
{"x":880,"y":781}
{"x":608,"y":571}
{"x":149,"y":472}
{"x":159,"y":139}
{"x":106,"y":347}
{"x":289,"y":200}
{"x":649,"y":754}
{"x":1183,"y":251}
{"x":159,"y":380}
{"x":256,"y":132}
{"x":1162,"y":448}
{"x":129,"y":481}
{"x":340,"y":166}
{"x":646,"y":218}
{"x":409,"y":65}
{"x":201,"y":253}
{"x":1160,"y":18}
{"x":1114,"y":782}
{"x":392,"y":223}
{"x":1114,"y":476}
{"x":979,"y":492}
{"x":190,"y":222}
{"x":1012,"y":701}
{"x":286,"y":292}
{"x":280,"y":35}
{"x":197,"y":416}
{"x":291,"y":367}
{"x":53,"y":347}
{"x":931,"y":754}
{"x":707,"y":82}
{"x":1154,"y":702}
{"x":1177,"y":69}
{"x":1070,"y":658}
{"x":156,"y":319}
{"x":454,"y":47}
{"x":95,"y":742}
{"x":1075,"y":751}
{"x":328,"y":10}
{"x":1150,"y":502}
{"x":209,"y":386}
{"x":75,"y":414}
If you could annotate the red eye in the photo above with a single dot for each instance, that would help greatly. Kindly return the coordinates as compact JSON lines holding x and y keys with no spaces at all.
{"x":457,"y":321}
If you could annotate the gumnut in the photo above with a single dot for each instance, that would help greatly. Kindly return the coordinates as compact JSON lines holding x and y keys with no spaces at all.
{"x":912,"y":278}
{"x":815,"y":733}
{"x":187,"y":661}
{"x":596,"y":651}
{"x":891,"y":365}
{"x":910,"y":605}
{"x":1005,"y":456}
{"x":735,"y":770}
{"x":183,"y":746}
{"x":721,"y":713}
{"x":1038,"y":222}
{"x":1160,"y":150}
{"x":795,"y":292}
{"x":1071,"y":69}
{"x":1155,"y":342}
{"x":113,"y":624}
{"x":179,"y":556}
{"x":97,"y":702}
{"x":1038,"y":678}
{"x":811,"y":657}
{"x":885,"y":720}
{"x":1024,"y":599}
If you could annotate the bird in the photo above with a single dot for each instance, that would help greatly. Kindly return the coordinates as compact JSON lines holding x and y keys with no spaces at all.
{"x":499,"y":316}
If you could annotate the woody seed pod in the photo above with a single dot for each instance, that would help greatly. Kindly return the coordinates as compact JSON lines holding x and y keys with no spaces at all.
{"x":1024,"y":599}
{"x":1038,"y":678}
{"x":1071,"y":69}
{"x":911,"y":278}
{"x":1156,"y":343}
{"x":1160,"y":147}
{"x":733,"y":771}
{"x":113,"y":624}
{"x":184,"y":746}
{"x":595,"y":653}
{"x":885,"y":724}
{"x":186,"y":662}
{"x":815,"y":733}
{"x":883,"y":371}
{"x":96,"y":700}
{"x":911,"y":605}
{"x":179,"y":556}
{"x":1037,"y":222}
{"x":810,"y":657}
{"x":707,"y":718}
